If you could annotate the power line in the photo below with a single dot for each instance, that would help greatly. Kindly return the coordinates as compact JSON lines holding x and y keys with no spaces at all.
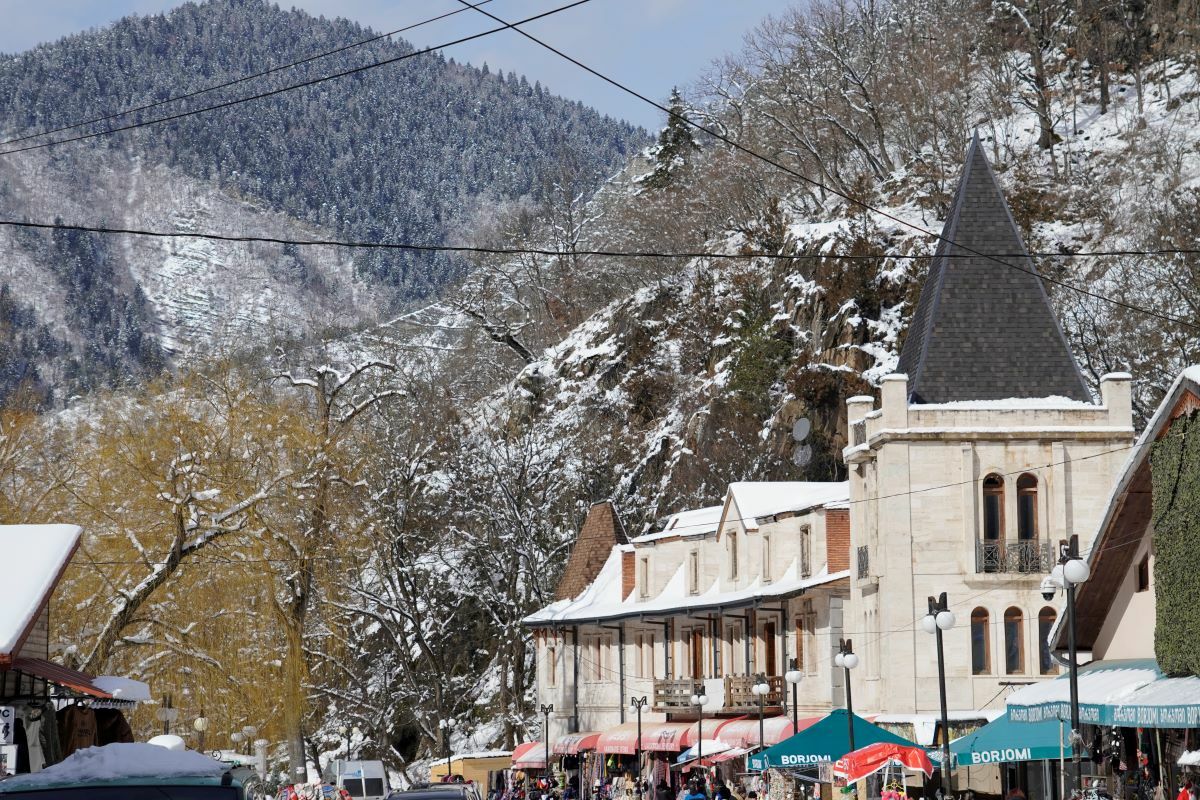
{"x":281,"y":90}
{"x":243,"y":79}
{"x":545,"y":251}
{"x":817,"y":184}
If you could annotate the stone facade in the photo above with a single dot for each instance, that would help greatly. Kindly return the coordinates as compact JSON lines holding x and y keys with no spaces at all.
{"x":922,"y":522}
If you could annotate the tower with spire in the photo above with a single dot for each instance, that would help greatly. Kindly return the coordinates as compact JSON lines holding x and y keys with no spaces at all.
{"x":983,"y":451}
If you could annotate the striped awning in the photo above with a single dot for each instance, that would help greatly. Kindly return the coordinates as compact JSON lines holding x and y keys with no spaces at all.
{"x":59,"y":675}
{"x":530,"y":755}
{"x":575,"y":743}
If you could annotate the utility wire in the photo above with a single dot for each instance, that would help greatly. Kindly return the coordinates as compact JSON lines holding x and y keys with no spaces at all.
{"x":282,"y":89}
{"x":817,"y":184}
{"x":543,"y":251}
{"x":236,"y":81}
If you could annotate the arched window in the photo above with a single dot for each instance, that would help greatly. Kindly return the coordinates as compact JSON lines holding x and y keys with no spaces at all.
{"x":993,"y":508}
{"x":1046,"y":618}
{"x":981,"y":651}
{"x":1014,"y":641}
{"x":1027,"y":492}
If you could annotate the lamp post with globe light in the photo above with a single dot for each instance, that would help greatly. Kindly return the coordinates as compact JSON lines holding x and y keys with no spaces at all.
{"x":236,"y":737}
{"x":940,"y":618}
{"x":793,"y":676}
{"x":200,"y":725}
{"x":847,"y":660}
{"x":249,"y":732}
{"x":699,"y":700}
{"x":637,"y":704}
{"x":760,"y":690}
{"x":1070,"y":571}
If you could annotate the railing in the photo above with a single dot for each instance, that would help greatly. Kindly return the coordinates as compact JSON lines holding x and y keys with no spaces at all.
{"x":864,"y":561}
{"x":739,"y":697}
{"x":1029,"y":556}
{"x":676,"y":694}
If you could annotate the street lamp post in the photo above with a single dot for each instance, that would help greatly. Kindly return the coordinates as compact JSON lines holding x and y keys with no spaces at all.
{"x":761,"y":690}
{"x":1070,"y":572}
{"x":699,"y":700}
{"x":638,"y":703}
{"x":249,"y":731}
{"x":938,"y":619}
{"x":236,"y":737}
{"x":847,"y":660}
{"x":547,"y":710}
{"x":167,"y":714}
{"x":793,"y":676}
{"x":200,"y":725}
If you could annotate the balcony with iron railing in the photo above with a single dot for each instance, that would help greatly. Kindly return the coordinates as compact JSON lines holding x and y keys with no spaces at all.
{"x":1028,"y":556}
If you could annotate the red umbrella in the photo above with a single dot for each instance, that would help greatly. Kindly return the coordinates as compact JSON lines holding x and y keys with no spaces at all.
{"x":874,"y":757}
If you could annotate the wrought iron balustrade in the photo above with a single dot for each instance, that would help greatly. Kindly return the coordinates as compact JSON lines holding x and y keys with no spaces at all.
{"x":1028,"y":556}
{"x":864,"y":561}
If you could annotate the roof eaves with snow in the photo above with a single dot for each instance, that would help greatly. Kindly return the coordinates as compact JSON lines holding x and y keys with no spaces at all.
{"x":757,"y":500}
{"x":682,"y":524}
{"x":602,"y":602}
{"x":40,"y":554}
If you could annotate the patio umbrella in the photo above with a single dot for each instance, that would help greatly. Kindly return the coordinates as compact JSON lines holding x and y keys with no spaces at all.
{"x":826,"y":741}
{"x":868,"y":760}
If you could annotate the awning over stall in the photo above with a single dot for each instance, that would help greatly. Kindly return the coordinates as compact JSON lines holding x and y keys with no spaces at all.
{"x":530,"y":755}
{"x":575,"y":743}
{"x":668,"y":737}
{"x":1122,"y":693}
{"x":825,"y":741}
{"x":59,"y":675}
{"x":1005,"y":742}
{"x":744,"y":732}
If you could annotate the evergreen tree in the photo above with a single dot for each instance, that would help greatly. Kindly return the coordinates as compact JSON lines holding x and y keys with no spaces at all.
{"x":675,"y":145}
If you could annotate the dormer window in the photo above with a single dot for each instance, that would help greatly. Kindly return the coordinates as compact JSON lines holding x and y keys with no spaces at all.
{"x":1027,"y":493}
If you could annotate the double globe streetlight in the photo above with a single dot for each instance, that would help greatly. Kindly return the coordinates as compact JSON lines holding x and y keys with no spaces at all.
{"x":847,"y":659}
{"x":1070,"y":571}
{"x":938,"y":619}
{"x":793,"y":676}
{"x":699,"y":700}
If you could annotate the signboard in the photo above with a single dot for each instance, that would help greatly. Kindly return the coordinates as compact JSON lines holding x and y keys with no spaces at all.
{"x":8,"y":718}
{"x":1127,"y":716}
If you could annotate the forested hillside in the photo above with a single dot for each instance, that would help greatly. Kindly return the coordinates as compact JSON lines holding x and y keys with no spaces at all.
{"x":386,"y":504}
{"x":423,"y":150}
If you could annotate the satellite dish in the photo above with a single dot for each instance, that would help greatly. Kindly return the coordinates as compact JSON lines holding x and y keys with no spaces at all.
{"x":802,"y":455}
{"x":801,"y":428}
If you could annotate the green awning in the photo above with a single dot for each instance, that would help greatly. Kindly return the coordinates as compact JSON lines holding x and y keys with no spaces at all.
{"x":827,"y":740}
{"x":1003,"y":741}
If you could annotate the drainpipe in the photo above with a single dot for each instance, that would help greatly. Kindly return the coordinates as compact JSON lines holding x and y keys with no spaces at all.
{"x":575,"y":676}
{"x":621,"y":665}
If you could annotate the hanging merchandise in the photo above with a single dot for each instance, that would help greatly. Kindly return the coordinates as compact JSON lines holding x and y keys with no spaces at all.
{"x":76,"y":728}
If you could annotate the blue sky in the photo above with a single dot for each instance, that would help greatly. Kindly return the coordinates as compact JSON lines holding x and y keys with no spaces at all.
{"x":649,"y":45}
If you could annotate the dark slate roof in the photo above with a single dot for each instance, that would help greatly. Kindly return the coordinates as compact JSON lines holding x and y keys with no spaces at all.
{"x":983,"y":330}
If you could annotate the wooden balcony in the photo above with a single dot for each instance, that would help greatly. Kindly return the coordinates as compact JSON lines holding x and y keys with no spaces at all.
{"x":738,"y":696}
{"x":676,"y":694}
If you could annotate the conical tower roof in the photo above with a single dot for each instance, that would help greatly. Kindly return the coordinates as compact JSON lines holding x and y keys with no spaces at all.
{"x":983,"y":330}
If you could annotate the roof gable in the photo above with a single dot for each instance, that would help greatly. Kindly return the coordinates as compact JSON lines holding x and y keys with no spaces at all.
{"x":39,"y":554}
{"x":982,"y":330}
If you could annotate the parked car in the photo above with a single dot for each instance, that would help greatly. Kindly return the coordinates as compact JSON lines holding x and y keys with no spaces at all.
{"x":131,"y":772}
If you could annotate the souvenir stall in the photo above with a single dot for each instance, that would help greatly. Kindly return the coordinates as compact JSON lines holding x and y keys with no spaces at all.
{"x":47,"y":710}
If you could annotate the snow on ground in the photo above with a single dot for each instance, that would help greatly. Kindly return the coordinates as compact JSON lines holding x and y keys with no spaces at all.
{"x":116,"y":761}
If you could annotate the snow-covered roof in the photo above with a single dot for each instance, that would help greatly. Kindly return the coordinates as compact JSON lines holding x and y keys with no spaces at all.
{"x":695,"y":522}
{"x":1053,"y":402}
{"x":38,"y":554}
{"x":123,"y":688}
{"x":757,"y":499}
{"x":602,"y":599}
{"x":117,"y":761}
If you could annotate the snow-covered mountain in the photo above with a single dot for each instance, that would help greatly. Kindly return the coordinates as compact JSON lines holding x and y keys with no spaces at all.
{"x":419,"y":151}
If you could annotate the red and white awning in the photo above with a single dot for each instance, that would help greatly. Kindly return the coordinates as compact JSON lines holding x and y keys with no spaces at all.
{"x":575,"y":743}
{"x":744,"y":732}
{"x":669,"y":737}
{"x":530,"y":755}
